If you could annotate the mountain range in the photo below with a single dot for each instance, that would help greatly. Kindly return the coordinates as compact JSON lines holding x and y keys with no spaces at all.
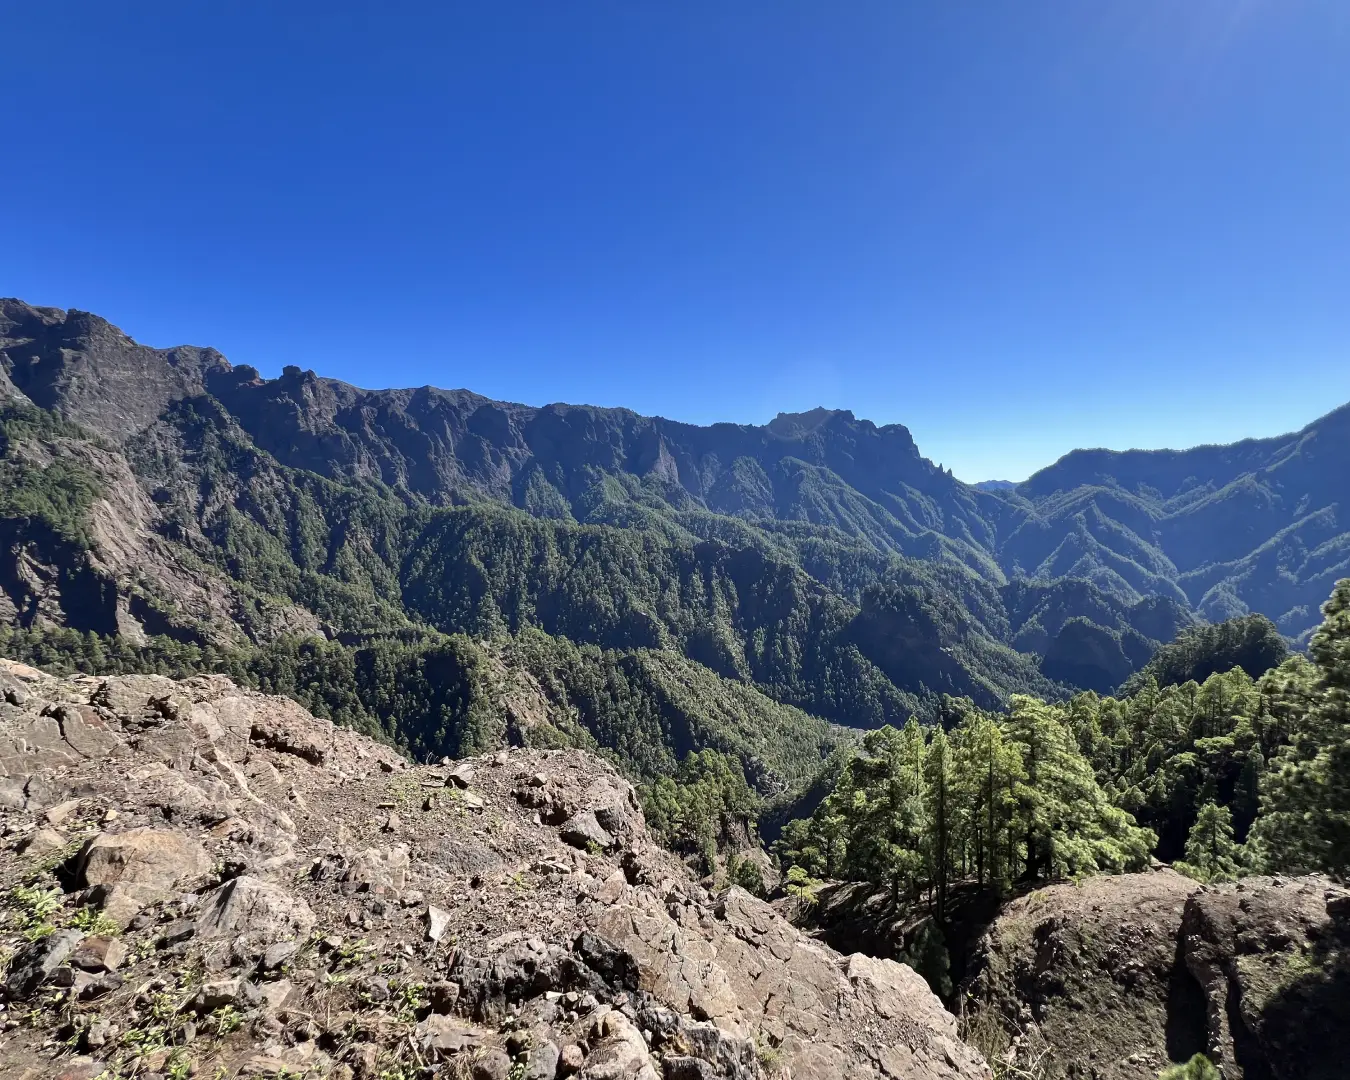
{"x":817,"y":569}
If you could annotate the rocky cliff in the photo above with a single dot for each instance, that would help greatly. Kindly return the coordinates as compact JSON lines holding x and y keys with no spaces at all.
{"x":1115,"y":977}
{"x":201,"y":880}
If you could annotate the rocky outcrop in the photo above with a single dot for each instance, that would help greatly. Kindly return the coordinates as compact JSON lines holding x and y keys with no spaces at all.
{"x":155,"y":858}
{"x":231,"y":884}
{"x":1116,"y":977}
{"x":1085,"y":980}
{"x":1271,"y":956}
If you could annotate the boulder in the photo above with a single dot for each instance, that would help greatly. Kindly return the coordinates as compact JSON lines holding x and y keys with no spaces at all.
{"x":123,"y":902}
{"x":246,"y":905}
{"x":379,"y":867}
{"x":216,"y":994}
{"x":442,"y":1036}
{"x":582,"y":830}
{"x":1271,"y":958}
{"x":36,"y":962}
{"x":461,"y":776}
{"x":12,"y":795}
{"x":99,"y":953}
{"x":278,"y":955}
{"x":542,"y":1062}
{"x":618,"y":1051}
{"x":57,"y":815}
{"x":43,"y":842}
{"x":157,"y":858}
{"x":437,"y":920}
{"x":1085,"y":976}
{"x":492,"y":1064}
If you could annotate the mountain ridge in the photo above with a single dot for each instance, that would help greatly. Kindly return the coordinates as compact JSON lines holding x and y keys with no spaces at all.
{"x":1124,"y":519}
{"x":170,"y":496}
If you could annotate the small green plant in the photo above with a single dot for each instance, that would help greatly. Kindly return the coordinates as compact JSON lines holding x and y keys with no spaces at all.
{"x":1300,"y":963}
{"x":228,"y":1020}
{"x":408,"y":998}
{"x":351,"y":953}
{"x":164,"y":1006}
{"x":36,"y":906}
{"x":394,"y":1068}
{"x":179,"y":1066}
{"x":1198,"y":1068}
{"x":93,"y":921}
{"x":405,"y":793}
{"x":38,"y":931}
{"x":143,"y":1041}
{"x":770,"y":1060}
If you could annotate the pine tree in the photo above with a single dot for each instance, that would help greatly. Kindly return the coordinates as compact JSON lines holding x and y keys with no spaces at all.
{"x":940,"y":800}
{"x":987,"y":771}
{"x":1211,"y":852}
{"x":1068,"y":824}
{"x":1305,"y":801}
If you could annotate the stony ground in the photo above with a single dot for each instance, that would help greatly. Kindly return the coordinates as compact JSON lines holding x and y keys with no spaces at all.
{"x":202,"y":881}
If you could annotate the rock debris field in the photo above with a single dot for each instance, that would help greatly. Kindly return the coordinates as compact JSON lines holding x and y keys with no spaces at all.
{"x":200,"y":880}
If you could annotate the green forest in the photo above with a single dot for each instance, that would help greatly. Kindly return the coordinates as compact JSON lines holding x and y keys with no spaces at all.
{"x":1226,"y":754}
{"x":1238,"y":773}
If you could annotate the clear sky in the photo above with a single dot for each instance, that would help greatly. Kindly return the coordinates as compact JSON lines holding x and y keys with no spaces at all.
{"x":1014,"y":227}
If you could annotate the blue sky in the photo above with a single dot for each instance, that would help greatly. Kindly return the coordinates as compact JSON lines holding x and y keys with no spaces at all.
{"x":1016,"y":228}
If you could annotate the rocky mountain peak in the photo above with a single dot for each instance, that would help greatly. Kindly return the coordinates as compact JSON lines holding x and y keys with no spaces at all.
{"x":794,"y":425}
{"x":87,"y":370}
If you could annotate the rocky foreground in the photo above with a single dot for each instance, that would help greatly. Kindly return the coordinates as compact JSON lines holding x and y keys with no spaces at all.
{"x":201,"y":880}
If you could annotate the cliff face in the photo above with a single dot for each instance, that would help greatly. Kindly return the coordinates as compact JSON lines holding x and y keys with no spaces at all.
{"x":90,"y":372}
{"x":435,"y":442}
{"x":1118,"y":976}
{"x":198,"y":876}
{"x":1271,"y":956}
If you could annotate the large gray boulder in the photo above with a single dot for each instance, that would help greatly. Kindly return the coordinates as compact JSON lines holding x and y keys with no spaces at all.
{"x":158,"y":858}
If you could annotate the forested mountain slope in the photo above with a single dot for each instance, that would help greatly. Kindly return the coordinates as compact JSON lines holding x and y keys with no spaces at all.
{"x":816,"y":569}
{"x":1260,"y":525}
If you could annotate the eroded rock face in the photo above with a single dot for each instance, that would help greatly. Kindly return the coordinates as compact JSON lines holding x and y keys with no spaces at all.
{"x":1085,"y":980}
{"x":245,"y":905}
{"x":1272,"y":956}
{"x":269,"y":867}
{"x":1119,"y":976}
{"x":155,"y":858}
